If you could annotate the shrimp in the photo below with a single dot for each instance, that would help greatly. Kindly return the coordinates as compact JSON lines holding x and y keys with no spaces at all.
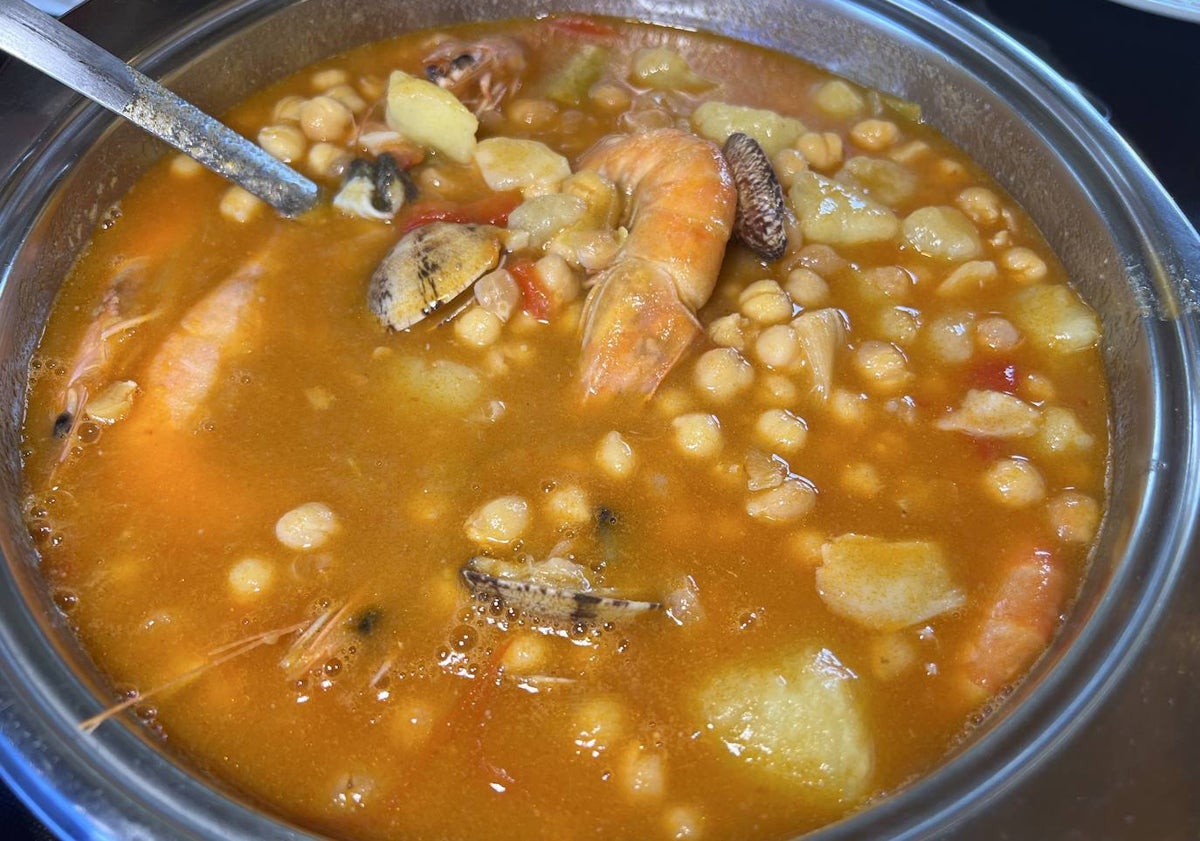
{"x":93,"y":357}
{"x":182,"y":373}
{"x":1019,"y":626}
{"x":639,"y":317}
{"x":480,"y":74}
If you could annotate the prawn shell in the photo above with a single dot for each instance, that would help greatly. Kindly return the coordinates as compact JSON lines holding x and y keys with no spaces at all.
{"x":554,"y":604}
{"x":759,"y":222}
{"x":428,"y":267}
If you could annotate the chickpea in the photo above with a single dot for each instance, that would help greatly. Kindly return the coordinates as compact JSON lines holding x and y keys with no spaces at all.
{"x":598,"y":723}
{"x":778,"y":390}
{"x":722,"y":374}
{"x":349,"y":97}
{"x":892,"y":281}
{"x":322,"y":80}
{"x":287,"y":110}
{"x":875,"y":135}
{"x":501,"y":520}
{"x":910,"y":152}
{"x":807,"y":288}
{"x":250,"y":577}
{"x":788,"y":163}
{"x":996,"y":334}
{"x":848,"y":408}
{"x":781,"y":430}
{"x":1014,"y":483}
{"x":729,"y":330}
{"x":1023,"y":265}
{"x":325,"y":160}
{"x":697,"y":435}
{"x":862,"y":480}
{"x":764,"y":302}
{"x":536,"y":114}
{"x":184,"y":167}
{"x":558,"y":279}
{"x":683,"y":823}
{"x":981,"y":205}
{"x":325,"y":119}
{"x":891,"y":655}
{"x":1074,"y":517}
{"x":642,"y":773}
{"x":777,"y":346}
{"x":283,"y":141}
{"x":899,"y":325}
{"x":882,"y":366}
{"x":477,"y":327}
{"x":526,"y":654}
{"x":307,"y":526}
{"x":822,"y":151}
{"x":949,"y":337}
{"x":237,"y":205}
{"x":610,"y":97}
{"x":615,"y":457}
{"x":569,"y":504}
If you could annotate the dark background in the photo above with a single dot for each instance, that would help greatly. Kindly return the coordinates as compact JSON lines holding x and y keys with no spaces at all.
{"x":1130,"y":774}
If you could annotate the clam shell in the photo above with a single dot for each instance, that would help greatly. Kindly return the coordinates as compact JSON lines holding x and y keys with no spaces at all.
{"x":428,"y":267}
{"x":759,"y":222}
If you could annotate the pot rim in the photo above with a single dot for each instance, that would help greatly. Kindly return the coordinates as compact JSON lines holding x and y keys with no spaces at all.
{"x":67,"y":781}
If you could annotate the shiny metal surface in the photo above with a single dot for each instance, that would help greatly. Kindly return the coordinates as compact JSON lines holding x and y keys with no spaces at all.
{"x":42,"y":42}
{"x":1136,"y":259}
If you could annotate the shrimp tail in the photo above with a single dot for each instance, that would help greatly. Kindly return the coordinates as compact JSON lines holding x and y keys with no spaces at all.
{"x":635,"y":328}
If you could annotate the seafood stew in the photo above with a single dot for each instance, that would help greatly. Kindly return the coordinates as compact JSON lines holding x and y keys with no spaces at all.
{"x":571,"y":463}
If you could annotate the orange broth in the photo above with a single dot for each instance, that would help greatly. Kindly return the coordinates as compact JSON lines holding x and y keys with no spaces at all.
{"x":423,"y":712}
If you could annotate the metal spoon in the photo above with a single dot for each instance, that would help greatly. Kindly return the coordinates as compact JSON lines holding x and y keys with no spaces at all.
{"x":39,"y":40}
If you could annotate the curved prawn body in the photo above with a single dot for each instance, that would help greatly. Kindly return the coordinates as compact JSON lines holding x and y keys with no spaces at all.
{"x":187,"y":365}
{"x":93,"y":357}
{"x":639,"y":317}
{"x":1019,"y":625}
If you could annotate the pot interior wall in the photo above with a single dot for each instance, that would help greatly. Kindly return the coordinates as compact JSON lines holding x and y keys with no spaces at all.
{"x":87,"y":163}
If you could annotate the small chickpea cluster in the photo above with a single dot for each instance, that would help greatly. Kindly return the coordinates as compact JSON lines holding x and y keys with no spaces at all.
{"x":304,"y":528}
{"x":315,"y":134}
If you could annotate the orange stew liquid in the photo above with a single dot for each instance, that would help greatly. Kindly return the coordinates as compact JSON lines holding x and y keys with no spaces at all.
{"x":780,"y":586}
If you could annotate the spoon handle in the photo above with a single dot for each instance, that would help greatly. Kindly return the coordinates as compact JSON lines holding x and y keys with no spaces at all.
{"x":58,"y":51}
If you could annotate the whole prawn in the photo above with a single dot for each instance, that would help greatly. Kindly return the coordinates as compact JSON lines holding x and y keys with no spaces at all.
{"x":1019,"y":625}
{"x":639,"y":317}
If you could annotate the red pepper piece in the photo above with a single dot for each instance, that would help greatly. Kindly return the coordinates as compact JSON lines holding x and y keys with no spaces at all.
{"x":490,"y":210}
{"x":534,"y":298}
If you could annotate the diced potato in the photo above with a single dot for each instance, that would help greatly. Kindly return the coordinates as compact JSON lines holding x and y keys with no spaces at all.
{"x":570,"y":85}
{"x":943,"y":232}
{"x":664,"y":69}
{"x":1062,"y":432}
{"x":530,"y":166}
{"x":819,"y":333}
{"x":441,"y":385}
{"x":718,"y":120}
{"x":430,"y":116}
{"x":886,"y":585}
{"x":883,"y":180}
{"x":598,"y":194}
{"x":796,"y":722}
{"x":1054,"y":318}
{"x":837,"y":214}
{"x":992,"y":414}
{"x":113,"y":403}
{"x":545,"y":216}
{"x":839,"y":99}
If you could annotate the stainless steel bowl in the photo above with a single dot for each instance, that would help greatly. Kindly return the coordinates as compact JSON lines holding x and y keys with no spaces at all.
{"x":1133,"y":255}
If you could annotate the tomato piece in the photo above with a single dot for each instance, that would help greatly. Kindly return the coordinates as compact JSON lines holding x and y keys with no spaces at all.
{"x":490,"y":210}
{"x":994,"y":376}
{"x":534,"y":298}
{"x":581,"y":25}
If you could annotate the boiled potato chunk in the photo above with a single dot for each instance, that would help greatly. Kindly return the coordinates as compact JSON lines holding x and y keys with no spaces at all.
{"x":526,"y":165}
{"x":838,"y":214}
{"x":440,"y":386}
{"x":1054,"y":318}
{"x":430,"y":116}
{"x":774,"y":132}
{"x":796,"y":722}
{"x":886,"y":585}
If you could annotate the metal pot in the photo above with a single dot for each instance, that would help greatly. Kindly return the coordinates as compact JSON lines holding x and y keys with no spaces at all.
{"x":1133,"y":255}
